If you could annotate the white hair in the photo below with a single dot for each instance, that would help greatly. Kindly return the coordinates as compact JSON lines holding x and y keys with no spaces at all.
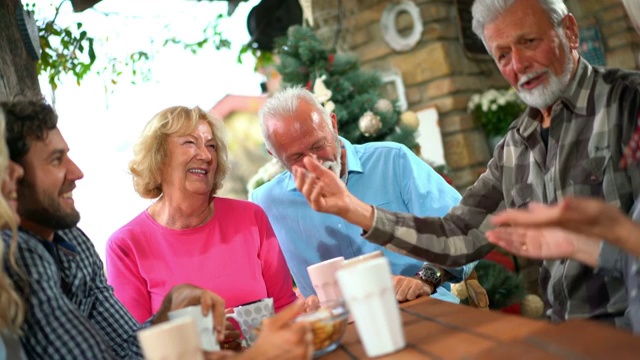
{"x":485,"y":11}
{"x":285,"y":103}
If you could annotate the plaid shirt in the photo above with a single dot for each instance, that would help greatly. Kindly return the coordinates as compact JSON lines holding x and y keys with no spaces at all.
{"x":71,"y":311}
{"x":590,"y":124}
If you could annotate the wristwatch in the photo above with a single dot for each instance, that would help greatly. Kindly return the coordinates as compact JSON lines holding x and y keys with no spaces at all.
{"x":430,"y":275}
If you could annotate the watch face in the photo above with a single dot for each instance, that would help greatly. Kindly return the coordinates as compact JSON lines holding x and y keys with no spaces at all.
{"x":431,"y":274}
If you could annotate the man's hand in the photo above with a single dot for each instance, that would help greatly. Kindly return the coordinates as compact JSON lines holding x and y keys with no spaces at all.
{"x":325,"y":192}
{"x":408,"y":288}
{"x":546,"y":243}
{"x":281,"y":338}
{"x":186,"y":295}
{"x":587,"y":216}
{"x":322,"y":188}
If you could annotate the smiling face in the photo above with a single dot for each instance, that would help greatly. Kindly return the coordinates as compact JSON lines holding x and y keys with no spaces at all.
{"x":305,"y":133}
{"x":537,"y":58}
{"x":191,"y":161}
{"x":13,"y":174}
{"x":45,"y":201}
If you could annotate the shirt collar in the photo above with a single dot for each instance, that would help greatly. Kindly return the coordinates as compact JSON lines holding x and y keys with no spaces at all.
{"x":576,"y":97}
{"x":353,"y":163}
{"x":50,"y":246}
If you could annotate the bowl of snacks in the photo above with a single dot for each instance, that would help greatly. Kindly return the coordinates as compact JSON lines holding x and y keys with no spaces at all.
{"x":328,"y":324}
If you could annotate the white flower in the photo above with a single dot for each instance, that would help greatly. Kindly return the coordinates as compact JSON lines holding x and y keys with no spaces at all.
{"x":494,"y":107}
{"x":485,"y":104}
{"x":473,"y":102}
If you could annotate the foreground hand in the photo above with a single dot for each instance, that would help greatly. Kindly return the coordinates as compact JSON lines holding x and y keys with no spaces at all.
{"x":186,"y":295}
{"x":231,"y":338}
{"x":536,"y":243}
{"x":408,"y":288}
{"x":281,"y":338}
{"x":587,"y":216}
{"x":547,"y":243}
{"x":312,"y":303}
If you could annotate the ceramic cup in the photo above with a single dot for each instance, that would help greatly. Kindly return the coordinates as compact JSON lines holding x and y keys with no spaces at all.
{"x":249,"y":316}
{"x":172,"y":340}
{"x":204,"y":324}
{"x":323,"y":278}
{"x":368,"y":290}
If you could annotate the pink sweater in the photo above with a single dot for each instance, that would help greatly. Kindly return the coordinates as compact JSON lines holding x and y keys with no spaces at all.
{"x":236,"y":255}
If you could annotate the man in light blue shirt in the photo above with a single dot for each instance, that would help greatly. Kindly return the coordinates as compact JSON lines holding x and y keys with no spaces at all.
{"x":385,"y":174}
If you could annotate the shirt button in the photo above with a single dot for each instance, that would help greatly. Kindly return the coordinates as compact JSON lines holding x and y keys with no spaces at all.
{"x":634,"y":293}
{"x":339,"y":225}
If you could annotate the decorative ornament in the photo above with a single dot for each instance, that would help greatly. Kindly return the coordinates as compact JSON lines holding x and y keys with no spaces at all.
{"x":383,"y":106}
{"x":320,"y":90}
{"x":329,"y":106}
{"x":410,"y":120}
{"x":307,"y":11}
{"x":390,"y":31}
{"x":369,"y":124}
{"x":532,"y":306}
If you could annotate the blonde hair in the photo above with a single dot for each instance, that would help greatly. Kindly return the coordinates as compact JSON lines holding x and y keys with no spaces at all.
{"x":150,"y":151}
{"x":11,"y":306}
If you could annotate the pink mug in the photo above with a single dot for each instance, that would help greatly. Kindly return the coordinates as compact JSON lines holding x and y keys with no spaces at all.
{"x":324,"y":281}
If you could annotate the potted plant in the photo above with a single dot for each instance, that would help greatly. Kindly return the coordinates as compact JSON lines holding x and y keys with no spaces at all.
{"x":496,"y":110}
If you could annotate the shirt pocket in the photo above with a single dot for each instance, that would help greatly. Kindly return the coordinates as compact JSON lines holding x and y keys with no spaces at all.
{"x":522,"y":195}
{"x":588,"y":177}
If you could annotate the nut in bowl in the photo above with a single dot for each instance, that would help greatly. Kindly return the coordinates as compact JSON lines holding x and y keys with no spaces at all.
{"x":328,"y":324}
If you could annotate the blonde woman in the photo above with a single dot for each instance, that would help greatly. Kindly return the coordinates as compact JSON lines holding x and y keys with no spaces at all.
{"x":190,"y":235}
{"x":11,"y":307}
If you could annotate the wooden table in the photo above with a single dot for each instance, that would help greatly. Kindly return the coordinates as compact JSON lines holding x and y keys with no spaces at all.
{"x":436,"y":329}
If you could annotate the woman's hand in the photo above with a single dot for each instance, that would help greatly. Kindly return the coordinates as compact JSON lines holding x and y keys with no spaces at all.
{"x":232,"y":337}
{"x":186,"y":295}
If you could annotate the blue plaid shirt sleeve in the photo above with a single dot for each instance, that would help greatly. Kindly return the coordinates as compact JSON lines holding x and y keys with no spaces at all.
{"x":71,"y":311}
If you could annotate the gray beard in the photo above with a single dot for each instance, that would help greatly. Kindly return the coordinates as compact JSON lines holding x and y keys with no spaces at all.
{"x":545,"y":96}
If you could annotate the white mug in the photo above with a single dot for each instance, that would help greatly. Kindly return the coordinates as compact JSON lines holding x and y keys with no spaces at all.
{"x":171,"y":340}
{"x":204,"y":324}
{"x":249,"y":316}
{"x":323,"y":278}
{"x":368,"y":290}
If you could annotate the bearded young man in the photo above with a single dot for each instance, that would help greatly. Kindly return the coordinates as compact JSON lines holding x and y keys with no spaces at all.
{"x":569,"y":141}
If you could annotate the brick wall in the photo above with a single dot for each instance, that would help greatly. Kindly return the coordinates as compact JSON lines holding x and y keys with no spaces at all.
{"x":437,"y":72}
{"x":621,"y":41}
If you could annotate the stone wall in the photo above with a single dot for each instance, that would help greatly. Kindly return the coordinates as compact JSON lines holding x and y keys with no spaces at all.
{"x":621,"y":41}
{"x":437,"y":71}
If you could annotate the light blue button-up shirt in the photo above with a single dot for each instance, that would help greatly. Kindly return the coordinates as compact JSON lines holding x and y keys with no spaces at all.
{"x":383,"y":174}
